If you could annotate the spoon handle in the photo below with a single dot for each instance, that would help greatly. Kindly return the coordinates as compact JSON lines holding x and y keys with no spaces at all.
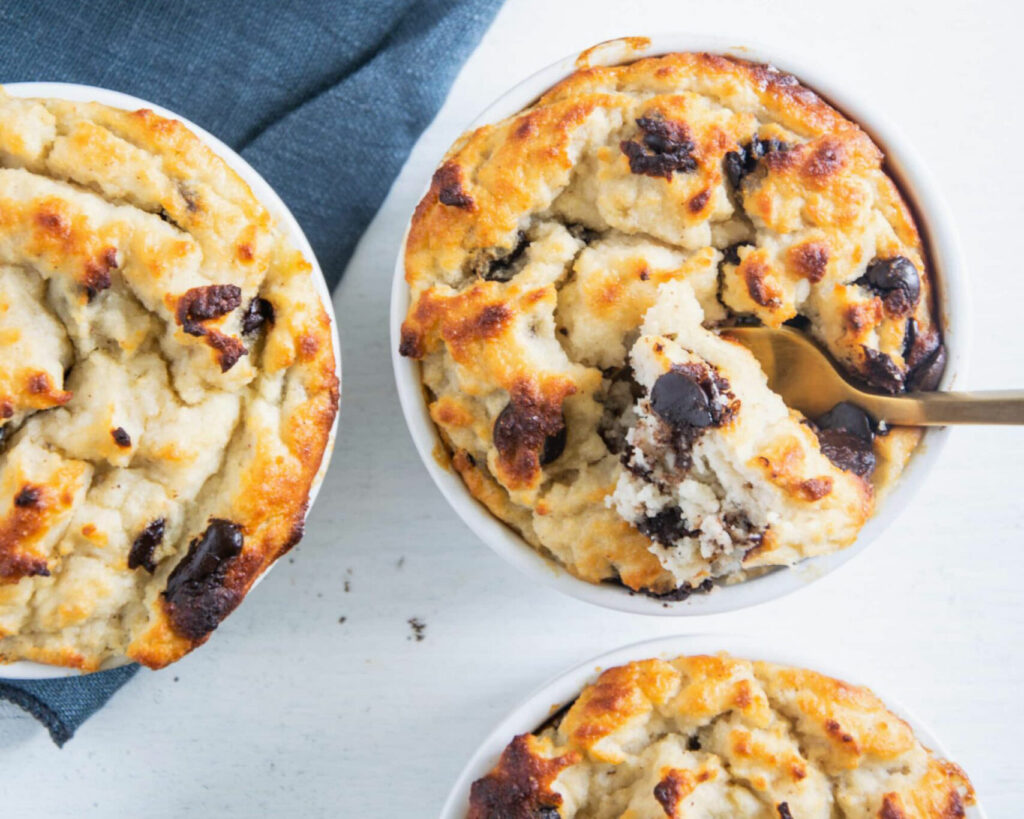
{"x":936,"y":409}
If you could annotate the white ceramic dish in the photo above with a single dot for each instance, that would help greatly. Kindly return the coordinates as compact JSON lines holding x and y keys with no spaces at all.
{"x":953,"y":304}
{"x":546,"y":700}
{"x":263,"y":192}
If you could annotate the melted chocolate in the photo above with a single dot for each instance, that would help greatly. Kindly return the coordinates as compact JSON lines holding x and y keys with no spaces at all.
{"x":195,"y":593}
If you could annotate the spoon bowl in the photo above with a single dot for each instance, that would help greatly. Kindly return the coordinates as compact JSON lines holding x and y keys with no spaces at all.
{"x":809,"y":380}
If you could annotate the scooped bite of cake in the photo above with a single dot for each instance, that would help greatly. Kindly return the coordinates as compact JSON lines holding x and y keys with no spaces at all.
{"x":720,"y":474}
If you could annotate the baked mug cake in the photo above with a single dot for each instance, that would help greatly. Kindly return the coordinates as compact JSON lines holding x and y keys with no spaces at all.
{"x":167,"y":386}
{"x":718,"y":736}
{"x":573,"y":271}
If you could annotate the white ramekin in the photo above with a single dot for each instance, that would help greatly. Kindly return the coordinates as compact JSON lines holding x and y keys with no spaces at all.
{"x":263,"y":192}
{"x":532,"y":712}
{"x":953,"y":299}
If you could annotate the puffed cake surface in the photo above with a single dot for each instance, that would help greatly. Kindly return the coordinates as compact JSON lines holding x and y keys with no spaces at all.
{"x":546,"y":238}
{"x":167,"y":386}
{"x":716,"y":736}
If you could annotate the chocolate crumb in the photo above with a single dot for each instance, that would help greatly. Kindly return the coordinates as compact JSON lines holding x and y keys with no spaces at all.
{"x":121,"y":437}
{"x":342,"y":620}
{"x":418,"y":629}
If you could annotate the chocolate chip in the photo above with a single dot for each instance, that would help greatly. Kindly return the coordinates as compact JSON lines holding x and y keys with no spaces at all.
{"x":145,"y":545}
{"x":881,"y":371}
{"x":681,"y":401}
{"x":554,"y":446}
{"x":196,"y":595}
{"x":259,"y":312}
{"x":896,"y":281}
{"x":744,"y":160}
{"x":27,"y":497}
{"x":200,"y":304}
{"x":121,"y":437}
{"x":783,"y":809}
{"x":927,"y":374}
{"x":666,"y":527}
{"x":666,"y":147}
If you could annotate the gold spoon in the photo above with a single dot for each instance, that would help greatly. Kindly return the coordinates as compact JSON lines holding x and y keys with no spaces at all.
{"x":808,"y":380}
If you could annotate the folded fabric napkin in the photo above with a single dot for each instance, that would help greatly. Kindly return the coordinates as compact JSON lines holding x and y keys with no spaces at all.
{"x":325,"y":98}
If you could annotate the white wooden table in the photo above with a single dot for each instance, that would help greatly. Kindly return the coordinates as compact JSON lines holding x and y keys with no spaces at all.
{"x":291,"y":712}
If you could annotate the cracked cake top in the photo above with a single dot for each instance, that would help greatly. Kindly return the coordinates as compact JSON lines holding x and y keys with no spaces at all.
{"x":717,"y":736}
{"x":167,"y":386}
{"x":545,"y":239}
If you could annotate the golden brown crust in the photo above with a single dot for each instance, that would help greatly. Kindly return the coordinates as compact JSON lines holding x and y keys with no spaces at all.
{"x":545,"y":238}
{"x":727,"y":737}
{"x":201,"y":395}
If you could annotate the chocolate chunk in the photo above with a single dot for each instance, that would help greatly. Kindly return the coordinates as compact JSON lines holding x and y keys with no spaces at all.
{"x":259,"y":312}
{"x":666,"y":147}
{"x":743,"y":161}
{"x":847,"y":451}
{"x":203,"y":303}
{"x":121,"y":437}
{"x":848,"y":417}
{"x":229,"y":349}
{"x":554,"y":446}
{"x":681,"y":401}
{"x":448,"y":180}
{"x":896,"y":281}
{"x":196,"y":595}
{"x":927,"y":374}
{"x":190,"y":195}
{"x":582,"y":233}
{"x":526,"y":431}
{"x":502,"y":264}
{"x":731,"y":254}
{"x":97,"y":273}
{"x":145,"y":545}
{"x":845,"y":436}
{"x":881,"y":371}
{"x":666,"y":527}
{"x":28,"y":496}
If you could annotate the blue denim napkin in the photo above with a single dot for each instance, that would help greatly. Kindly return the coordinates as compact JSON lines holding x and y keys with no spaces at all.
{"x":324,"y":98}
